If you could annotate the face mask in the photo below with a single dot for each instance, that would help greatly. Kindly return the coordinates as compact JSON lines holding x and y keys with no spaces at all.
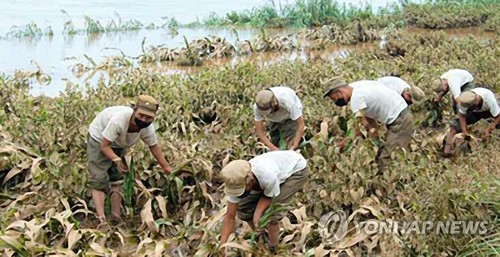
{"x":245,"y":194}
{"x":409,"y":102}
{"x":475,"y":107}
{"x":341,"y":102}
{"x":141,"y":124}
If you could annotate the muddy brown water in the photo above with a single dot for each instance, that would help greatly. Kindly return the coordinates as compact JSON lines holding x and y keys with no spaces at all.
{"x":328,"y":55}
{"x":61,"y":72}
{"x":57,"y":54}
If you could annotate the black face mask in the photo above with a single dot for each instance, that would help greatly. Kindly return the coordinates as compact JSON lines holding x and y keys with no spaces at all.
{"x":341,"y":102}
{"x":475,"y":107}
{"x":245,"y":194}
{"x":141,"y":124}
{"x":409,"y":102}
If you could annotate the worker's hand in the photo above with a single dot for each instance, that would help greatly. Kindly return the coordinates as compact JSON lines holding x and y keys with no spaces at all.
{"x":120,"y":165}
{"x":342,"y":144}
{"x":486,"y":134}
{"x":358,"y":132}
{"x":274,"y":148}
{"x":167,"y":169}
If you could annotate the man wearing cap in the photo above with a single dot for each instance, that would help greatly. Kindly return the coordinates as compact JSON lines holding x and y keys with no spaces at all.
{"x":111,"y":133}
{"x":375,"y":102}
{"x":456,"y":81}
{"x":284,"y":110}
{"x":252,"y":186}
{"x":411,"y":94}
{"x":474,"y":105}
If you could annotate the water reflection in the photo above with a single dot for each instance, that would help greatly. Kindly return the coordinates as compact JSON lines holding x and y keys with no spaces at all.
{"x":58,"y":54}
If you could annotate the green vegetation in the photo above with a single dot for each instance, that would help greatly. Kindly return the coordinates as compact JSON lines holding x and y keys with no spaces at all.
{"x":92,"y":26}
{"x":28,"y":30}
{"x":438,"y":14}
{"x":303,"y":13}
{"x":205,"y":121}
{"x":314,"y":13}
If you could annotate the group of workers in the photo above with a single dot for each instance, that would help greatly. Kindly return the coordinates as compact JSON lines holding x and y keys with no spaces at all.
{"x":252,"y":186}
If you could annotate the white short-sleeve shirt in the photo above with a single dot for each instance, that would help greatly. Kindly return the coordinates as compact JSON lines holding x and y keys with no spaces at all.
{"x":489,"y":102}
{"x":112,"y":123}
{"x":394,"y":83}
{"x":290,"y":106}
{"x":272,"y":169}
{"x":457,"y":78}
{"x":376,"y":101}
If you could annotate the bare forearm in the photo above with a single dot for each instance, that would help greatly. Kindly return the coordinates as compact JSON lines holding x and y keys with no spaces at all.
{"x":372,"y":124}
{"x":158,"y":154}
{"x":440,"y":96}
{"x":357,"y":127}
{"x":366,"y":124}
{"x":463,"y":124}
{"x":493,"y":123}
{"x":262,"y":205}
{"x":227,"y":228}
{"x":259,"y":128}
{"x":299,"y":134}
{"x":263,"y":138}
{"x":108,"y":152}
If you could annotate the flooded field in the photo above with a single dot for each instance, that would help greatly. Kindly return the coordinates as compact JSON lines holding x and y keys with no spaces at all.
{"x":56,"y":54}
{"x":206,"y":81}
{"x":57,"y":57}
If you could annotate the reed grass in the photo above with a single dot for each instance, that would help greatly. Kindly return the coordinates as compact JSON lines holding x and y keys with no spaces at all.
{"x":312,"y":13}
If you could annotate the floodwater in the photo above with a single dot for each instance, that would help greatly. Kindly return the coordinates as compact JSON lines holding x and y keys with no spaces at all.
{"x":56,"y":54}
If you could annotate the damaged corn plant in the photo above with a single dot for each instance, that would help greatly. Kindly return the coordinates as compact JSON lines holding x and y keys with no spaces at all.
{"x":198,"y":50}
{"x":205,"y":121}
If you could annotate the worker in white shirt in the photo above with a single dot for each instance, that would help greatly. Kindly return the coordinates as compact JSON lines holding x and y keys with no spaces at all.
{"x":376,"y":103}
{"x":411,"y":94}
{"x":112,"y":132}
{"x":455,"y":81}
{"x":281,"y":106}
{"x":474,"y":105}
{"x":252,"y":186}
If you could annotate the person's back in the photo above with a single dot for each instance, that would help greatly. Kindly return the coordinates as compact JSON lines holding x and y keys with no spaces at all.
{"x":283,"y":110}
{"x":377,"y":102}
{"x":279,"y":163}
{"x":456,"y":79}
{"x":394,"y":83}
{"x":252,"y":186}
{"x":489,"y":104}
{"x":290,"y":106}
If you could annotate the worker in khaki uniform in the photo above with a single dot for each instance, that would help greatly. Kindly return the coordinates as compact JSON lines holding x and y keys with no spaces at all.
{"x":411,"y":94}
{"x":252,"y":186}
{"x":474,"y":105}
{"x":375,"y":102}
{"x":282,"y":107}
{"x":456,"y":81}
{"x":111,"y":133}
